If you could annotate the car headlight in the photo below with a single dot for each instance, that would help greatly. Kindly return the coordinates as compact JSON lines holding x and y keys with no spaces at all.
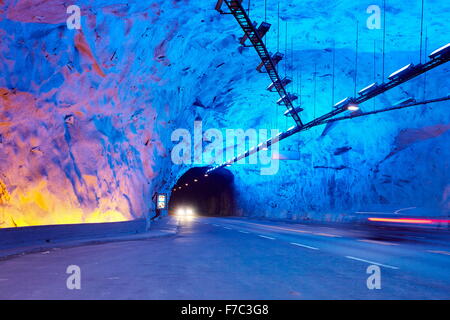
{"x":189,"y":212}
{"x":181,"y":212}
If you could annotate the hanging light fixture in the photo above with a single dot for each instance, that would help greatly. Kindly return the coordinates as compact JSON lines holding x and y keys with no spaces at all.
{"x":401,"y":72}
{"x":441,"y":52}
{"x":353,"y":107}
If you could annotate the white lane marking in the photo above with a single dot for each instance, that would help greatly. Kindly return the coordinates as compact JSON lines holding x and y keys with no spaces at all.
{"x":304,"y":246}
{"x":371,"y":262}
{"x":259,"y":235}
{"x":227,"y":228}
{"x":216,"y":225}
{"x":243,"y":231}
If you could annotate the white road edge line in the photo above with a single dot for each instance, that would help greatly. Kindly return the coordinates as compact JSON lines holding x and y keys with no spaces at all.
{"x":371,"y":262}
{"x":304,"y":246}
{"x":243,"y":231}
{"x":266,"y":237}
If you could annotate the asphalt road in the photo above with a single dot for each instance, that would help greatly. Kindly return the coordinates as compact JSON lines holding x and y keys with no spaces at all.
{"x":233,"y":258}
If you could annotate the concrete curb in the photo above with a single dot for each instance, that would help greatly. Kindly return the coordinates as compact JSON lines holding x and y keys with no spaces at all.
{"x":18,"y":251}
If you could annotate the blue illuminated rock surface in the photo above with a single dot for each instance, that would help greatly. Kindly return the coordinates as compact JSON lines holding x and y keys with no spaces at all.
{"x":86,"y":115}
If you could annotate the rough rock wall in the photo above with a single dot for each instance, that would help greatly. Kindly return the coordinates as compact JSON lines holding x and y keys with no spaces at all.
{"x":86,"y":115}
{"x":382,"y":162}
{"x":81,"y":111}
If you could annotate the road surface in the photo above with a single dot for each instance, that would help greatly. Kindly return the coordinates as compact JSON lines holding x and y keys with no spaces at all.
{"x":235,"y":258}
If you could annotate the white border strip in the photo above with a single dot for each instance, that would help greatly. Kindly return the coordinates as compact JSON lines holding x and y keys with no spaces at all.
{"x":265,"y":237}
{"x":371,"y":262}
{"x":303,"y":246}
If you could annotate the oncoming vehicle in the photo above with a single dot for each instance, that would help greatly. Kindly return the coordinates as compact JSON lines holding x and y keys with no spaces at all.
{"x":185,"y":213}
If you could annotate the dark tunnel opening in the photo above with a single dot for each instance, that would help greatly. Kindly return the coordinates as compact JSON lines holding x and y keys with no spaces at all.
{"x":205,"y":195}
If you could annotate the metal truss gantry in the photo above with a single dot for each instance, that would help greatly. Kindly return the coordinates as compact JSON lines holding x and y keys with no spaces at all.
{"x":397,"y":78}
{"x":252,"y":33}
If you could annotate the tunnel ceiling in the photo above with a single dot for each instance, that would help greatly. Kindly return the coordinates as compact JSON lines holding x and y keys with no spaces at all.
{"x":86,"y":115}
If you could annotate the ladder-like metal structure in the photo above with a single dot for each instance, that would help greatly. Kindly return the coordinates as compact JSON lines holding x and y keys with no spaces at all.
{"x":251,"y":32}
{"x":329,"y":117}
{"x":411,"y":72}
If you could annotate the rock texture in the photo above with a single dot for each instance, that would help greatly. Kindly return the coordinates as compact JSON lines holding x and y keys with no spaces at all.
{"x":86,"y":116}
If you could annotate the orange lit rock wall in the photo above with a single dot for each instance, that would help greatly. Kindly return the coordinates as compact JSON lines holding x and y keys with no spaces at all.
{"x":78,"y":121}
{"x":86,"y":115}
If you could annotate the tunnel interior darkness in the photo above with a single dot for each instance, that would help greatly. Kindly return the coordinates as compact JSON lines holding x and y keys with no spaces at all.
{"x":206,"y":195}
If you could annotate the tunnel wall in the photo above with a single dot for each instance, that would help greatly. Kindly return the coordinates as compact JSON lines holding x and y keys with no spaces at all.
{"x":380,"y":163}
{"x":87,"y":115}
{"x":83,"y":112}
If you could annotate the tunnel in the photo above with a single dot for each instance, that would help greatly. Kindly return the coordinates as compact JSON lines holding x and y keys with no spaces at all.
{"x":205,"y":194}
{"x":224,"y":149}
{"x":99,"y":144}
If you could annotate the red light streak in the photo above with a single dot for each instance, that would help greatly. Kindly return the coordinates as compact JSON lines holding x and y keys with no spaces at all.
{"x":408,"y":220}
